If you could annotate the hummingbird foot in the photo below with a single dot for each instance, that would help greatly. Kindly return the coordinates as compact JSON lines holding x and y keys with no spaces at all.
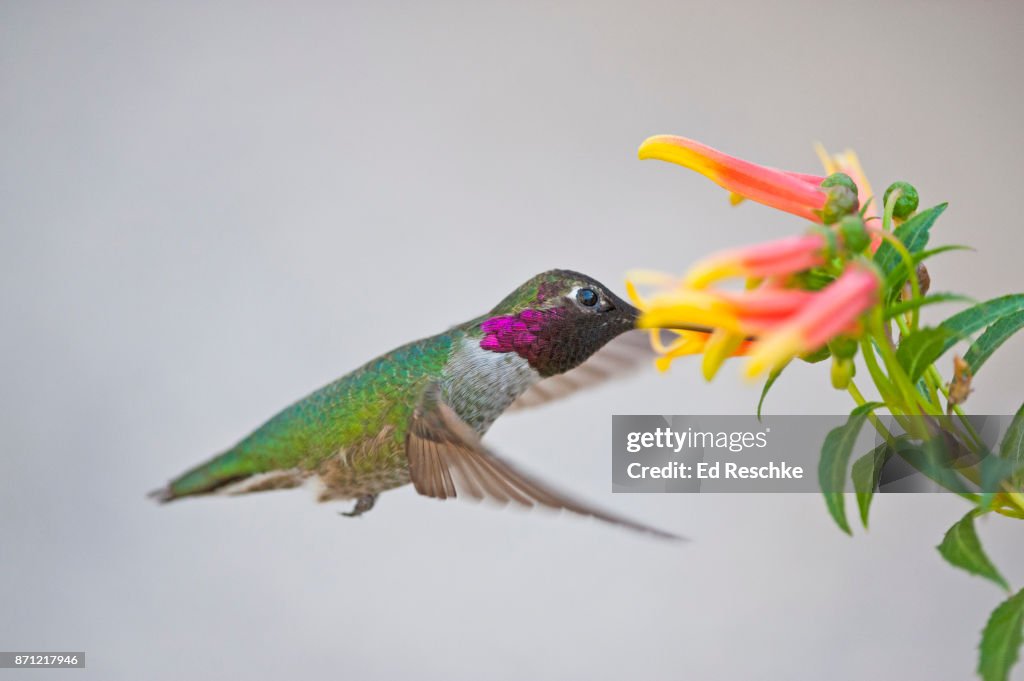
{"x":363,"y":504}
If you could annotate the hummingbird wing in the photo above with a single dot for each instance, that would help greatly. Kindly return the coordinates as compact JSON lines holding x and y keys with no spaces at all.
{"x":620,"y":357}
{"x":446,"y":458}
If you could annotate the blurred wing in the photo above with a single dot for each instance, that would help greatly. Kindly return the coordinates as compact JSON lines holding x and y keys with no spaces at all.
{"x":619,"y":358}
{"x":446,"y":459}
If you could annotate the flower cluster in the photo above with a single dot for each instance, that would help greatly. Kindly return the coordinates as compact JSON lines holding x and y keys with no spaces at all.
{"x":779,"y":316}
{"x":851,"y":286}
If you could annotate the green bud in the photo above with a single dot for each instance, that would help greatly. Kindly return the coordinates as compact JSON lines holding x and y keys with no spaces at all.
{"x":841,"y":201}
{"x":839,"y":180}
{"x":843,"y":371}
{"x":906,"y":204}
{"x":855,"y":234}
{"x":831,"y":241}
{"x":843,"y":347}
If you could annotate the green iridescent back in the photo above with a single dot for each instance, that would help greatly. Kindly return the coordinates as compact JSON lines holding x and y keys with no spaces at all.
{"x":377,"y":398}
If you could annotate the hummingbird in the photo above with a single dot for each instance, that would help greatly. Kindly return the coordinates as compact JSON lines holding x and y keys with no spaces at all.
{"x":417,"y":414}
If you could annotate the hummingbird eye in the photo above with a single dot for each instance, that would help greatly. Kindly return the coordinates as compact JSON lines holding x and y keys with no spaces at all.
{"x":587,"y":297}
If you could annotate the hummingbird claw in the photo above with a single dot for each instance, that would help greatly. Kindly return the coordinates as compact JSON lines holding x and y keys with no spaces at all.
{"x":363,"y":504}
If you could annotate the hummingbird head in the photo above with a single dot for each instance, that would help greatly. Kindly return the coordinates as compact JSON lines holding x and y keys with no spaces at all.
{"x":556,"y":320}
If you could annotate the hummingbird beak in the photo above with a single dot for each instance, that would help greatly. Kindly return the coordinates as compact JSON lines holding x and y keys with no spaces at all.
{"x":693,"y":328}
{"x":632,"y":315}
{"x":681,"y":327}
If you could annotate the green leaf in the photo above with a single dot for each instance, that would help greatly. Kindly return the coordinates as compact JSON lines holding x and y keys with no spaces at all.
{"x":922,"y":347}
{"x":994,"y":471}
{"x":1001,"y":639}
{"x":907,"y":305}
{"x":814,"y":279}
{"x":962,"y":548}
{"x":932,"y":252}
{"x":835,"y":455}
{"x":914,"y":235}
{"x":866,"y":408}
{"x":922,"y":389}
{"x":867,"y":470}
{"x":994,"y":336}
{"x":979,"y":316}
{"x":895,"y":279}
{"x":772,"y":377}
{"x":1012,"y":447}
{"x":933,"y":459}
{"x":865,"y":474}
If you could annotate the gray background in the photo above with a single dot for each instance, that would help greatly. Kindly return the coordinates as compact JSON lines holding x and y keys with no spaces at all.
{"x":209,"y":209}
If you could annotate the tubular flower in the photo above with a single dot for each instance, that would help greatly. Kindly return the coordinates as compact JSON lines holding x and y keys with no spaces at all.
{"x":794,"y":193}
{"x":771,"y":259}
{"x":719,"y":343}
{"x":778,"y":316}
{"x":833,"y":311}
{"x":749,"y":313}
{"x":770,"y":324}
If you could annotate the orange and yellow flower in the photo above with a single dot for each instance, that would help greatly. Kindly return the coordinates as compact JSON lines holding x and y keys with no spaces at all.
{"x":833,"y":311}
{"x":774,"y":320}
{"x":775,"y":258}
{"x":771,"y":324}
{"x":796,"y":193}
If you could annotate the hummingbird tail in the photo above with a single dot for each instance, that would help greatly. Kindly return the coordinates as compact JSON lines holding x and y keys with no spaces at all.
{"x":206,"y":478}
{"x":162,"y":495}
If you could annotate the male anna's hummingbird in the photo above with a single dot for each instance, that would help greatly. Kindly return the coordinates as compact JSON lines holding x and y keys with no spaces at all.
{"x":416,"y":414}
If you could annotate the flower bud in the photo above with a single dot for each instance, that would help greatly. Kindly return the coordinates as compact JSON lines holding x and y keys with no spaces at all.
{"x":843,"y":347}
{"x":843,"y":371}
{"x":839,"y":180}
{"x":855,"y":234}
{"x":840,"y":201}
{"x":829,"y":240}
{"x":906,"y":204}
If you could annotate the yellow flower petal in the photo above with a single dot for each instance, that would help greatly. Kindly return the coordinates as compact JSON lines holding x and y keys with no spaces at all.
{"x":849,"y":160}
{"x":681,"y":338}
{"x":667,"y":316}
{"x":634,"y":295}
{"x":773,"y":351}
{"x":689,"y":344}
{"x":827,"y":161}
{"x":720,"y":346}
{"x":713,"y":269}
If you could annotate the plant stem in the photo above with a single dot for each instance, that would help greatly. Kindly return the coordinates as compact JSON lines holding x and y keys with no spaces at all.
{"x":934,"y":407}
{"x":858,"y":397}
{"x":908,"y":260}
{"x":911,"y":396}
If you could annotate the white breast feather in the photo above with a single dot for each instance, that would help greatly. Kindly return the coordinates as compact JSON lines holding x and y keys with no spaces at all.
{"x":479,"y":384}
